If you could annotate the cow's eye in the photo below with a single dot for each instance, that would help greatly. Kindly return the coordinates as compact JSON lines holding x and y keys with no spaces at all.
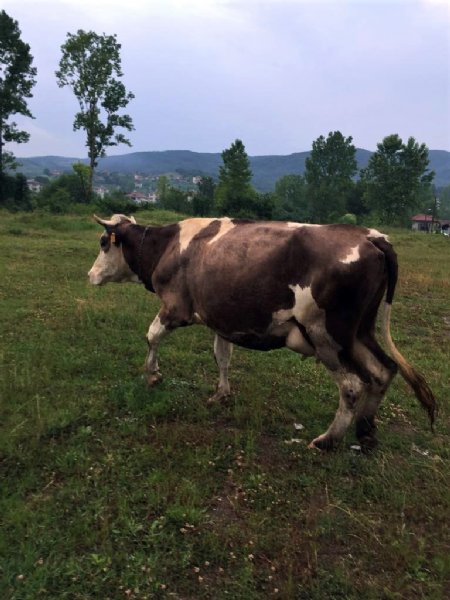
{"x":104,"y":242}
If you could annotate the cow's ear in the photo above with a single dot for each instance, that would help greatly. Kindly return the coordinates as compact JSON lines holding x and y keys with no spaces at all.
{"x":111,"y":230}
{"x":114,"y":237}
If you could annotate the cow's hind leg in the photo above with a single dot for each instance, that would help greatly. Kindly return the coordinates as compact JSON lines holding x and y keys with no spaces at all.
{"x":382,"y":370}
{"x":155,"y":333}
{"x":351,"y":393}
{"x":222,"y":353}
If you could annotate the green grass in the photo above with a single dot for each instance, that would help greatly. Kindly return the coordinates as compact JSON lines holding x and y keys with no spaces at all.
{"x":111,"y":491}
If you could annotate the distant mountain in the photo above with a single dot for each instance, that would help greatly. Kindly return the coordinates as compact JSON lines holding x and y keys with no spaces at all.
{"x":266,"y":169}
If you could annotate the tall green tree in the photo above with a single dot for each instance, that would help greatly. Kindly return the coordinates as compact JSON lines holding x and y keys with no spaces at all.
{"x":17,"y":78}
{"x":234,"y":193}
{"x":395,"y":178}
{"x":83,"y":173}
{"x":162,"y":189}
{"x":91,"y":65}
{"x":329,"y":172}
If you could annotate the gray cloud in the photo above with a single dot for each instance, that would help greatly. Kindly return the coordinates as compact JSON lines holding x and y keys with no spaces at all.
{"x":276,"y":74}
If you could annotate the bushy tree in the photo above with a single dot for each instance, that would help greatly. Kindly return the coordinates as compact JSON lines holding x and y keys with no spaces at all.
{"x":177,"y":201}
{"x":234,"y":194}
{"x":329,"y":173}
{"x":264,"y":206}
{"x":16,"y":193}
{"x":68,"y":189}
{"x":291,"y":203}
{"x":17,"y":78}
{"x":115,"y":202}
{"x":395,"y":178}
{"x":203,"y":200}
{"x":357,"y":202}
{"x":91,"y":66}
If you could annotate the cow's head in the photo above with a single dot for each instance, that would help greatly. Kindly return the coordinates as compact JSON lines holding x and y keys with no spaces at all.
{"x":110,"y":265}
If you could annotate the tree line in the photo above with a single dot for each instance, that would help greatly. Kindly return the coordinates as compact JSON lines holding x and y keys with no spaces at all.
{"x":396,"y":182}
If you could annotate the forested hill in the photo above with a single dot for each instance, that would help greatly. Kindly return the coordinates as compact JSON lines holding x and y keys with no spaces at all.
{"x":266,"y":169}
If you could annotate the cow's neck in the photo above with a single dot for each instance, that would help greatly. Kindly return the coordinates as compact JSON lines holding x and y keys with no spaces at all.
{"x":143,"y":248}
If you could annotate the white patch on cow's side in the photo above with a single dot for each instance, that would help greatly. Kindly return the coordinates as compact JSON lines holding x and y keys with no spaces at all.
{"x":352,"y":256}
{"x":294,"y":225}
{"x":190,"y":228}
{"x":313,"y":318}
{"x":304,"y":302}
{"x":111,"y":267}
{"x":225,"y":225}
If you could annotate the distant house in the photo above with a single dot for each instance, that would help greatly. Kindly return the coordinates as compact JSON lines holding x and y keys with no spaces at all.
{"x":34,"y":186}
{"x":101,"y":191}
{"x":141,"y":197}
{"x":196,"y":179}
{"x":429,"y":223}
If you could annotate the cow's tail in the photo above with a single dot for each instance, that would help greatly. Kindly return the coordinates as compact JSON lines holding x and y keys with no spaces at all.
{"x":415,"y":379}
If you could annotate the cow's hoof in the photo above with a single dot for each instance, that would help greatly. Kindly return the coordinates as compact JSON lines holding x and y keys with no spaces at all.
{"x":154,"y":378}
{"x":368,"y":444}
{"x":218,"y":397}
{"x":322,"y":443}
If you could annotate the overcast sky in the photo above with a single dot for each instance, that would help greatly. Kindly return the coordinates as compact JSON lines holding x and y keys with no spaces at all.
{"x":274,"y":73}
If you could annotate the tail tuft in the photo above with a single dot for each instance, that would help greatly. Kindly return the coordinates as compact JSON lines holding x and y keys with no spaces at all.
{"x":422,"y":391}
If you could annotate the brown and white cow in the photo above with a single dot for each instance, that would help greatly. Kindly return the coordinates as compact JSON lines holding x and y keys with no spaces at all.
{"x":315,"y":289}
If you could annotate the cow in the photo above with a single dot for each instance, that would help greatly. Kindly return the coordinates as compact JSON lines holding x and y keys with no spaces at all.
{"x":263,"y":285}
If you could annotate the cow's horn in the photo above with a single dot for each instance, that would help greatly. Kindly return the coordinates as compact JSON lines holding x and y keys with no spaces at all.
{"x":103,"y":222}
{"x":115,"y":220}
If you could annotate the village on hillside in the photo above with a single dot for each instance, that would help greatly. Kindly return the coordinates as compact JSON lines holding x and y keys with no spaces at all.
{"x":141,"y":189}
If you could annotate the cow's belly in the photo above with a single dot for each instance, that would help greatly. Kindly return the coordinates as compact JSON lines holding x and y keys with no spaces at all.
{"x":254,"y":341}
{"x":276,"y":336}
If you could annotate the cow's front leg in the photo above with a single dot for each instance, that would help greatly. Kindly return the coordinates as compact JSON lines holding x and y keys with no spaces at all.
{"x":155,"y":334}
{"x":351,"y":394}
{"x":222,"y":353}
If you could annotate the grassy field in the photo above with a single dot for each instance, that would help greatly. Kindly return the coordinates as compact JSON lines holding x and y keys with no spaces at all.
{"x":111,"y":491}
